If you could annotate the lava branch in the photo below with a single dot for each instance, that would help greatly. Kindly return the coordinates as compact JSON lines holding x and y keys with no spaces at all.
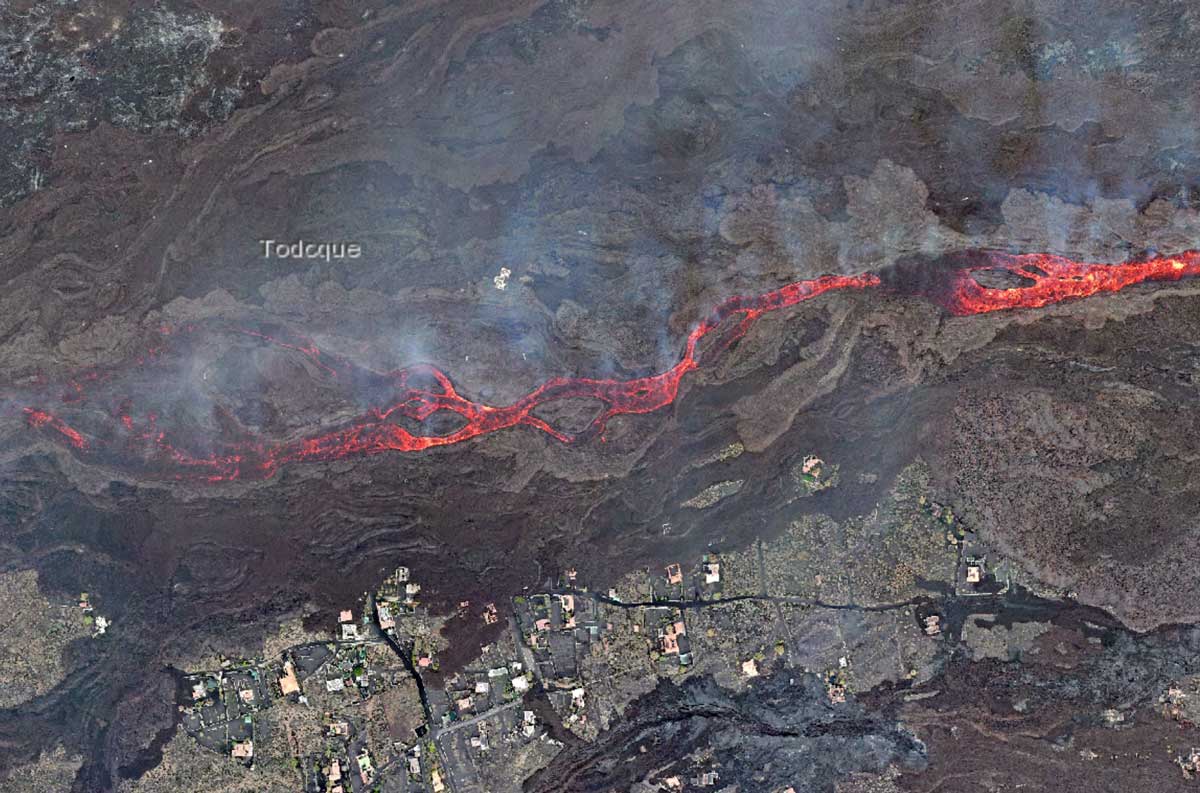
{"x":1053,"y":279}
{"x":40,"y":418}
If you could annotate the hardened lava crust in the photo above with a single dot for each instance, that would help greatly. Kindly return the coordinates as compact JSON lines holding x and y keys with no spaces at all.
{"x":594,"y":395}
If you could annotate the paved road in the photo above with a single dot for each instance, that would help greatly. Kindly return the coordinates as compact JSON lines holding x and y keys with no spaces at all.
{"x":487,"y":714}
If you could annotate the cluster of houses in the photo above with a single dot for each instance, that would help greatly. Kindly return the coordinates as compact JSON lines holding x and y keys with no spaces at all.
{"x":98,"y":623}
{"x":396,"y":595}
{"x":472,"y":693}
{"x":219,"y":707}
{"x":700,"y":582}
{"x":348,"y":764}
{"x":476,"y":712}
{"x":395,"y":599}
{"x":559,"y":629}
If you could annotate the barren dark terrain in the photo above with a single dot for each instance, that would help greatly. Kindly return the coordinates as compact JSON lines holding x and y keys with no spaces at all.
{"x":603,"y":242}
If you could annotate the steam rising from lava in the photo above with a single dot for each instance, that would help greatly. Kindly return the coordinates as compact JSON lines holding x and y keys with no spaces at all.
{"x":423,"y":390}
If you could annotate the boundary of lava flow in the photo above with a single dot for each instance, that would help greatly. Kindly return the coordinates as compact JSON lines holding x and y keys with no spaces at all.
{"x":1045,"y":278}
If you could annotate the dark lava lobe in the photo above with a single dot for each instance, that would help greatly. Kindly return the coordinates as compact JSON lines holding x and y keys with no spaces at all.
{"x":780,"y":731}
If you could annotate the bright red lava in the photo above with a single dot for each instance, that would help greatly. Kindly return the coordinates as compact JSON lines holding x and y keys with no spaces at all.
{"x":40,"y":418}
{"x":1054,"y":279}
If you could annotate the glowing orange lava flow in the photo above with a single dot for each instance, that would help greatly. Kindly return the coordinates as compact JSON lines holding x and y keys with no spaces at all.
{"x":640,"y":395}
{"x":40,"y":418}
{"x":1053,"y":279}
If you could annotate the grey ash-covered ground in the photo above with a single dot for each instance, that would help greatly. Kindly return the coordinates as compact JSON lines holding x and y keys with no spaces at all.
{"x":629,"y":165}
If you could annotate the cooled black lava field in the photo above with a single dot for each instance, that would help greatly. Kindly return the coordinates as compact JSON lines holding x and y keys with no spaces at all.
{"x":597,"y":395}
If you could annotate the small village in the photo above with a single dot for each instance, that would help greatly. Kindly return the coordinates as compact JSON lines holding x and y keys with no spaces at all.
{"x":372,"y":710}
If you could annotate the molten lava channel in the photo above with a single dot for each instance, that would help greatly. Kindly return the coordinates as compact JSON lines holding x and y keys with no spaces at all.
{"x":1051,"y":279}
